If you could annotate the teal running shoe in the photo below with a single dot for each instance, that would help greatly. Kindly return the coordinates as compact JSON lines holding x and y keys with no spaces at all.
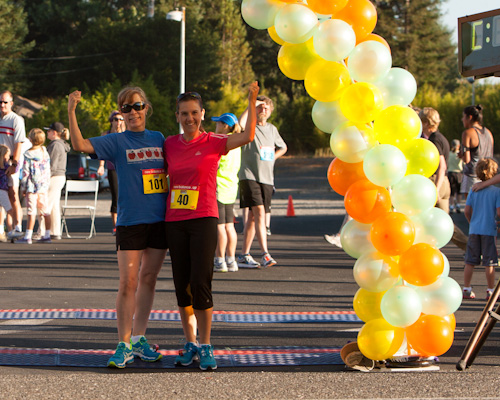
{"x":187,"y":355}
{"x":142,"y":350}
{"x":206,"y":355}
{"x":122,"y":356}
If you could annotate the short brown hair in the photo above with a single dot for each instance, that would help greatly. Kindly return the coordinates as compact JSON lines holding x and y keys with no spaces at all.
{"x":37,"y":137}
{"x":486,"y":168}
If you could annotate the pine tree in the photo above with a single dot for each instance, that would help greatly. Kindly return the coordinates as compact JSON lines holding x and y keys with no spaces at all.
{"x":13,"y":31}
{"x":234,"y":50}
{"x":419,"y":42}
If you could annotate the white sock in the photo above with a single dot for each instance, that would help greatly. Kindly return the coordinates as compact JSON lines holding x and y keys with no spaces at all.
{"x":2,"y":229}
{"x":127,"y":345}
{"x":468,"y":288}
{"x":219,"y":260}
{"x":28,"y":234}
{"x":229,"y":260}
{"x":19,"y":228}
{"x":47,"y":234}
{"x":135,"y":339}
{"x":490,"y":290}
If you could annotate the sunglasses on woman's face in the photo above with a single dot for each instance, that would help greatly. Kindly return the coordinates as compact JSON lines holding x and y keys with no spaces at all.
{"x":126,"y":108}
{"x":117,"y":119}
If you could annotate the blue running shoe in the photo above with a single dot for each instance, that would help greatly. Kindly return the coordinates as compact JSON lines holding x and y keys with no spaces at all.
{"x":122,"y":356}
{"x":207,"y":359}
{"x":187,"y":355}
{"x":142,"y":350}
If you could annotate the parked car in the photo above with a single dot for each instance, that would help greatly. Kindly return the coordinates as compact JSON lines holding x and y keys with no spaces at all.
{"x":81,"y":167}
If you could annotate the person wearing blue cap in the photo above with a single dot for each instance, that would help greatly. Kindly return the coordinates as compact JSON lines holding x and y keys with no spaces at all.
{"x":227,"y":191}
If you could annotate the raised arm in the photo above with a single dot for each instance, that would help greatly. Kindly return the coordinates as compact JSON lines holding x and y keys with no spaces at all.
{"x":239,"y":139}
{"x":77,"y":140}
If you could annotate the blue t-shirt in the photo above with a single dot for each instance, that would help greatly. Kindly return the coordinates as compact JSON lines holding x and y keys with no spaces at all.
{"x":138,"y":157}
{"x":484,"y":205}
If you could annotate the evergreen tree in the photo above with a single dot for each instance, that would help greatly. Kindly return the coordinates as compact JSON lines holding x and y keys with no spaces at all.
{"x":419,"y":42}
{"x":234,"y":50}
{"x":13,"y":31}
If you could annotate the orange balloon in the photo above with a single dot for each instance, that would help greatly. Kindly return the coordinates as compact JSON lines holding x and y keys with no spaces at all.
{"x":365,"y":201}
{"x":342,"y":175}
{"x":392,"y":233}
{"x":431,"y":335}
{"x":361,"y":15}
{"x":421,"y":264}
{"x":326,"y":7}
{"x":452,"y":321}
{"x":377,"y":38}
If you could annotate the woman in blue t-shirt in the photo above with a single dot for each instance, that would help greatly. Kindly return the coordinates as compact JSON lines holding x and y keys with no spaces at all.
{"x":141,"y":243}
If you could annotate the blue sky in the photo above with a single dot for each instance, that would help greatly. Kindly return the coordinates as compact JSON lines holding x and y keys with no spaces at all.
{"x":454,"y":9}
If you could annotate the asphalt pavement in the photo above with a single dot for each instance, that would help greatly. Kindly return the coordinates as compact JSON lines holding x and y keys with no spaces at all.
{"x":311,"y":276}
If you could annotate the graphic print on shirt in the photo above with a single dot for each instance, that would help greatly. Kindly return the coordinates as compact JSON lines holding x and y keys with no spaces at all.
{"x":144,"y":154}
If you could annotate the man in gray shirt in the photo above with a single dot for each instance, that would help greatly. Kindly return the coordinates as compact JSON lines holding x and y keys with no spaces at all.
{"x":257,"y":181}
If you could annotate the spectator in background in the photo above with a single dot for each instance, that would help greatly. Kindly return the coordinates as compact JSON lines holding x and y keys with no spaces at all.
{"x":35,"y":185}
{"x":58,"y":150}
{"x":117,"y":125}
{"x":455,"y":175}
{"x":477,"y":143}
{"x":257,"y":181}
{"x":227,"y":191}
{"x":481,"y":208}
{"x":12,"y":134}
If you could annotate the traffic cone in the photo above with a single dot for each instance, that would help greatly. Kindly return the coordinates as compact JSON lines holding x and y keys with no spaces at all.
{"x":290,"y":212}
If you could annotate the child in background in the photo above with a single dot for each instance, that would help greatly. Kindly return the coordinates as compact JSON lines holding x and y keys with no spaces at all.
{"x":227,"y":191}
{"x":455,"y":166}
{"x":4,"y":186}
{"x":35,"y":184}
{"x":480,"y":210}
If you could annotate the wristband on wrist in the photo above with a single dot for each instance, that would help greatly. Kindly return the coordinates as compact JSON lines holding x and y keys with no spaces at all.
{"x":14,"y":163}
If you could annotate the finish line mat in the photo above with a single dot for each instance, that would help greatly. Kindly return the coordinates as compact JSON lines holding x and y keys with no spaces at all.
{"x":173,"y":315}
{"x":243,"y":357}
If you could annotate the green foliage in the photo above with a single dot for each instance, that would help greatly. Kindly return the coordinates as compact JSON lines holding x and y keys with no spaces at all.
{"x":418,"y":40}
{"x":451,"y":104}
{"x":13,"y":31}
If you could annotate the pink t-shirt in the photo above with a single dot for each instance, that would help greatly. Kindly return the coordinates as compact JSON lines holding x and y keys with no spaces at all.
{"x":192,"y":169}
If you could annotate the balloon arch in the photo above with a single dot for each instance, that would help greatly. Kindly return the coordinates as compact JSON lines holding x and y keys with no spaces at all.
{"x":382,"y":166}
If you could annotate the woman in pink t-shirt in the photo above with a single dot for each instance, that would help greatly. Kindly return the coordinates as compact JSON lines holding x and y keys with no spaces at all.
{"x":192,"y":160}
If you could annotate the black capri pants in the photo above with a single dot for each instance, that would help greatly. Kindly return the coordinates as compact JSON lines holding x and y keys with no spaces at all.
{"x":192,"y":247}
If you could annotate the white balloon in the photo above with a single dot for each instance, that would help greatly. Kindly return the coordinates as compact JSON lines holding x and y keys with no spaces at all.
{"x":334,"y":40}
{"x":384,"y":165}
{"x":434,"y":227}
{"x":355,"y":239}
{"x":260,"y":14}
{"x":327,"y":116}
{"x":398,"y":86}
{"x":295,"y":23}
{"x":369,"y":61}
{"x":442,"y":297}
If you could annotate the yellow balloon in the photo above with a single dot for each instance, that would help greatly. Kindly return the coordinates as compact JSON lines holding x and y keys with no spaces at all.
{"x":422,"y":156}
{"x":396,"y":125}
{"x":378,"y":340}
{"x":272,"y":33}
{"x":367,"y":304}
{"x":325,"y":80}
{"x":361,"y":102}
{"x":295,"y":59}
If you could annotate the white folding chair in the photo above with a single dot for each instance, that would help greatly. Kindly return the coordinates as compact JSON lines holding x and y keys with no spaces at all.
{"x":73,"y":204}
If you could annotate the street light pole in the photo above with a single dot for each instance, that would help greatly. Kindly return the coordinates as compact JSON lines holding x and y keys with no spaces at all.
{"x":180,"y":16}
